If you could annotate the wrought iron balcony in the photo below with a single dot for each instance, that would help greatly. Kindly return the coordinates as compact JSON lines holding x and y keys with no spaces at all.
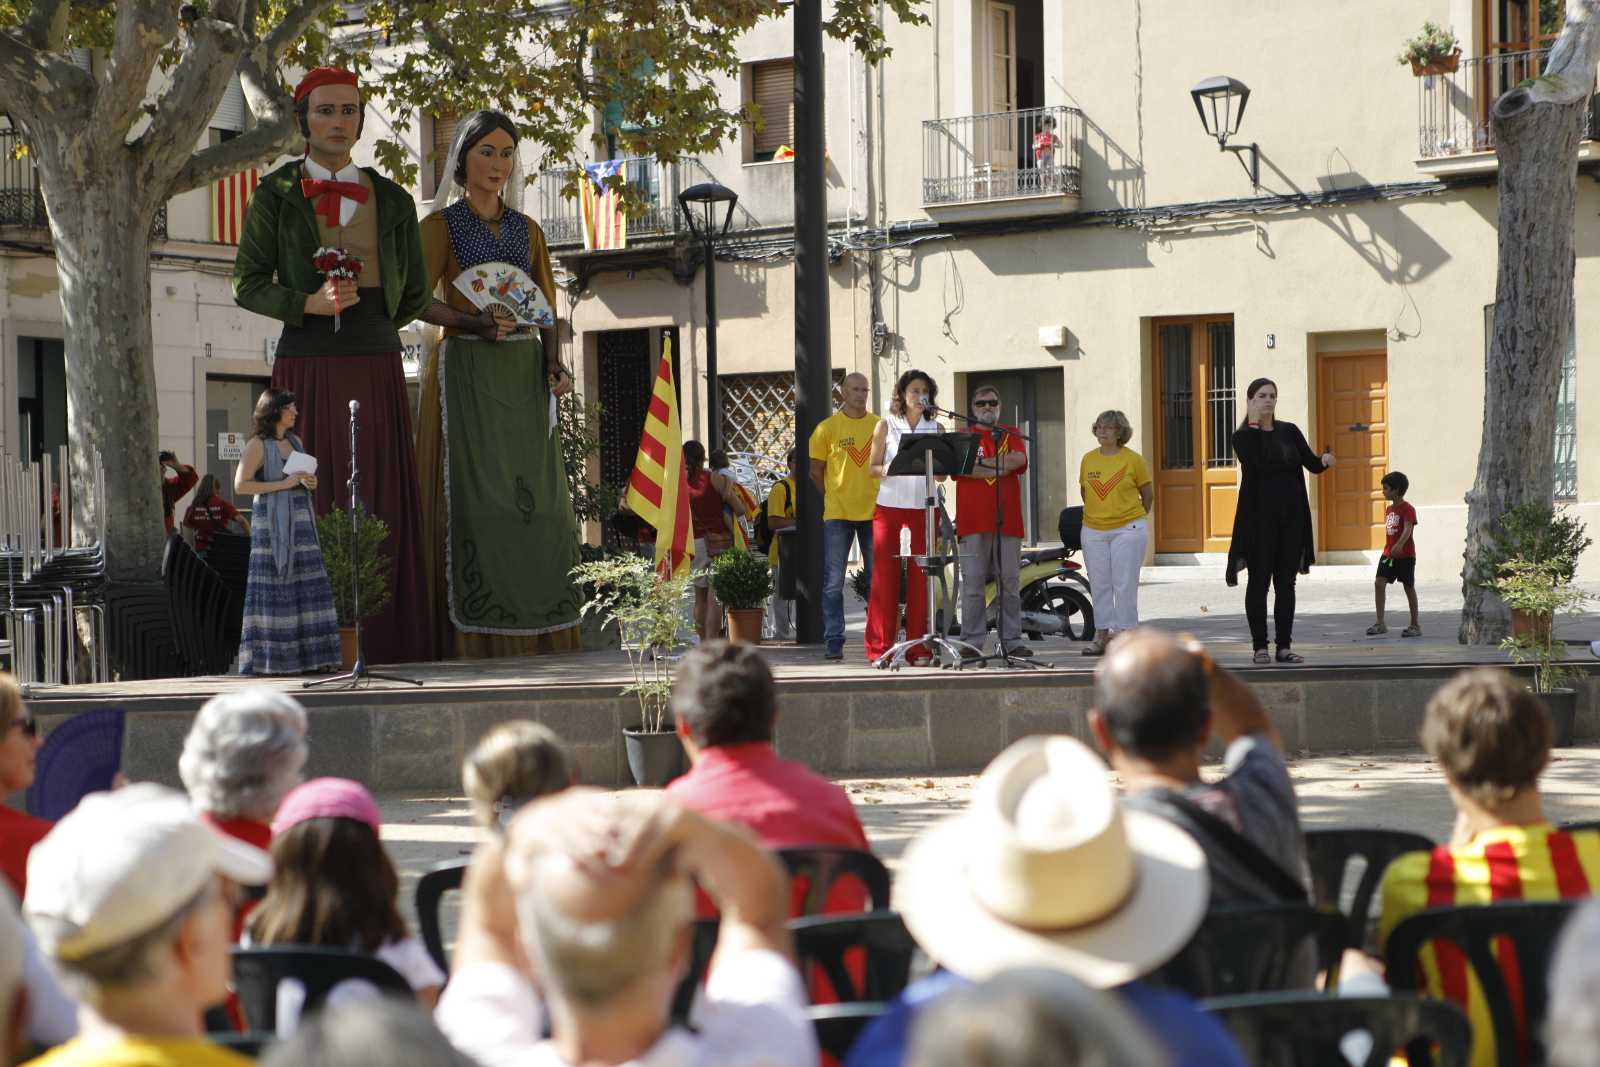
{"x":561,"y":215}
{"x":1005,"y":156}
{"x":1453,"y":108}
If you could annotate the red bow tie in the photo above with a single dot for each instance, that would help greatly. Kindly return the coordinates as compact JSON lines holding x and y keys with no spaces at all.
{"x":325,"y":194}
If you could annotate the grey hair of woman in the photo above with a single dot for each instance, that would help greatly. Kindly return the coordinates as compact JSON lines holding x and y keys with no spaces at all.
{"x":377,"y":1032}
{"x":243,"y":753}
{"x":1572,"y":1027}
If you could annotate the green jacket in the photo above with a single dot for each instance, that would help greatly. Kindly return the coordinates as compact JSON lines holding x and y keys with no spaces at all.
{"x":273,"y":275}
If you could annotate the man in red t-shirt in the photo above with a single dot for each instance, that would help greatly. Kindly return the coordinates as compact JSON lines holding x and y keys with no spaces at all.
{"x":1399,"y":561}
{"x":983,"y":556}
{"x":211,"y":514}
{"x":176,"y":481}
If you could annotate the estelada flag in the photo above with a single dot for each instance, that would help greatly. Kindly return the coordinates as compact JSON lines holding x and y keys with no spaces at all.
{"x":604,"y":225}
{"x":658,"y":489}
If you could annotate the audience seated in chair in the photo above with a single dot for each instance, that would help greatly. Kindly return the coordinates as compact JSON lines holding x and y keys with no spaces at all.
{"x":514,"y":763}
{"x":334,"y":884}
{"x":1046,"y":869}
{"x":19,"y":747}
{"x":243,"y":754}
{"x":1490,"y":737}
{"x":594,"y":889}
{"x":1157,"y":701}
{"x":1572,"y":1034}
{"x":131,"y":896}
{"x":726,"y":708}
{"x":366,"y":1033}
{"x":13,"y":990}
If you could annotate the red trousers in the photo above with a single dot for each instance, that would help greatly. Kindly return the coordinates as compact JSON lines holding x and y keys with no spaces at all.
{"x":883,"y":610}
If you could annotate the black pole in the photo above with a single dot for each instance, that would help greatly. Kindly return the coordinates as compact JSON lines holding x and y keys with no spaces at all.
{"x":713,"y":399}
{"x":813,"y":365}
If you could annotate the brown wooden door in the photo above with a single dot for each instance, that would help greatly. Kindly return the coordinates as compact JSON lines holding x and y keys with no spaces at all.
{"x":1192,"y":461}
{"x":1353,"y":419}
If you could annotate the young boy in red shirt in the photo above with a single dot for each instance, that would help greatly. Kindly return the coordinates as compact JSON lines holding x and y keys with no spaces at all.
{"x":1399,"y":561}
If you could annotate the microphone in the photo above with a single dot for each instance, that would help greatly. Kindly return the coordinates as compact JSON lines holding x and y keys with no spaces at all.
{"x":355,"y":406}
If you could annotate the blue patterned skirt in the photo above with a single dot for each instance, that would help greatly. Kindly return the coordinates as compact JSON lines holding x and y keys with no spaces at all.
{"x":289,"y":622}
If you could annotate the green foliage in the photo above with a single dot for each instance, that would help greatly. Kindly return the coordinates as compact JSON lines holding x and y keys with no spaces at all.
{"x":741,"y":580}
{"x":860,"y":582}
{"x":1431,"y":45}
{"x":1542,"y":589}
{"x":333,"y":530}
{"x":1535,"y":533}
{"x":648,"y":613}
{"x":580,"y":442}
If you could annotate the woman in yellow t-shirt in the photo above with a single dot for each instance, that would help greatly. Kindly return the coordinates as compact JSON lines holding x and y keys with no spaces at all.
{"x":1117,"y":497}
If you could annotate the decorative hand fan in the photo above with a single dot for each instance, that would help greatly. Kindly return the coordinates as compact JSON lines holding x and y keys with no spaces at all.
{"x":509,"y":286}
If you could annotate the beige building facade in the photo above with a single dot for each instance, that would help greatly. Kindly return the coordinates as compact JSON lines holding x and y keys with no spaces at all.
{"x":1120,"y":262}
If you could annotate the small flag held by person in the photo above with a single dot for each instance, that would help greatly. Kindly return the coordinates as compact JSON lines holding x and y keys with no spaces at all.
{"x":604,"y":225}
{"x":658,"y":490}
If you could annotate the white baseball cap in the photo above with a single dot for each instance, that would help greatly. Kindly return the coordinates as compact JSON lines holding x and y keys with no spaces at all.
{"x":122,"y":863}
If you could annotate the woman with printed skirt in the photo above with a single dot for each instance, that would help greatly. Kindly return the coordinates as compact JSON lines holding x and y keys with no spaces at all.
{"x":900,"y":507}
{"x":289,"y":622}
{"x":497,"y":517}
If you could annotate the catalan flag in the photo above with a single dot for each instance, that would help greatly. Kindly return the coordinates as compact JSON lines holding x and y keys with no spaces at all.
{"x":742,"y":516}
{"x":230,"y":197}
{"x":658,"y":490}
{"x":604,"y":224}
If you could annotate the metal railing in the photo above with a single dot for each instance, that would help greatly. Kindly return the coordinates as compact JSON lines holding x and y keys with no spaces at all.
{"x":561,"y":215}
{"x":1037,"y":152}
{"x":21,"y":199}
{"x":1453,"y":108}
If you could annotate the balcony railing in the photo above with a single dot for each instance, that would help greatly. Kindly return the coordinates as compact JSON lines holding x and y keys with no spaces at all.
{"x":21,"y":200}
{"x":1037,"y":152}
{"x":1453,"y":109}
{"x":657,"y":184}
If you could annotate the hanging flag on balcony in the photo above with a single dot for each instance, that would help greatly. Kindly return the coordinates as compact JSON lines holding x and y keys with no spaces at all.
{"x":658,"y":489}
{"x":604,"y":224}
{"x":230,"y":197}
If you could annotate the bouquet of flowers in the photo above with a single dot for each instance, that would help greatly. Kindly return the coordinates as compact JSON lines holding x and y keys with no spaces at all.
{"x":336,"y":263}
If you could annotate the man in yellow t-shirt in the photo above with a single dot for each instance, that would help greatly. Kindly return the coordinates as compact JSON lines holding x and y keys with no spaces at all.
{"x":840,"y":447}
{"x":780,"y":517}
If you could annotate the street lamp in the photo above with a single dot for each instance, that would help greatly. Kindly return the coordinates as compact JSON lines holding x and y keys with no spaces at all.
{"x":701,"y":205}
{"x":1214,"y":99}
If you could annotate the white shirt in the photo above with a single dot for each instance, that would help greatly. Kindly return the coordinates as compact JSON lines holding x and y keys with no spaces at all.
{"x":351,"y":173}
{"x":753,"y":1015}
{"x":903,"y":490}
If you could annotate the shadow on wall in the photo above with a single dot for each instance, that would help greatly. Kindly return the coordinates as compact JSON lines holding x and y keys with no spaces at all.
{"x":1111,"y":177}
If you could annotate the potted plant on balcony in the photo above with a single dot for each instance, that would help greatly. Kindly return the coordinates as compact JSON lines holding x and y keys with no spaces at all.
{"x":647,"y":611}
{"x":371,"y":580}
{"x":1433,"y":51}
{"x":742,"y":583}
{"x":1540,"y":589}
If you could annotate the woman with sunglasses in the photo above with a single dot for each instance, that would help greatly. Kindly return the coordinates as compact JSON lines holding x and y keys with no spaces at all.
{"x":1117,"y":496}
{"x":19,"y":745}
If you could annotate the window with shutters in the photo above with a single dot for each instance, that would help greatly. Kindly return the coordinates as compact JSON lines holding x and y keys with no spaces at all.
{"x":444,"y":131}
{"x":770,"y":87}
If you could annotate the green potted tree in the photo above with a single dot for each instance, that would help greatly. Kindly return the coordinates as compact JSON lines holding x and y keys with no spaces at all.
{"x":1541,"y":589}
{"x":1435,"y":50}
{"x":1534,"y":533}
{"x":648,"y":614}
{"x":742,"y":582}
{"x":371,"y":580}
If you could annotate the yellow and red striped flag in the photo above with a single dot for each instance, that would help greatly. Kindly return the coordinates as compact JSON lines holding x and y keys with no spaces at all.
{"x":658,"y":490}
{"x":230,"y":197}
{"x":604,"y":225}
{"x":739,"y":517}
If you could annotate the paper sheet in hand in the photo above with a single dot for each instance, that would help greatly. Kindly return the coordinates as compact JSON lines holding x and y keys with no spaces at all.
{"x":509,"y":286}
{"x":300,"y":463}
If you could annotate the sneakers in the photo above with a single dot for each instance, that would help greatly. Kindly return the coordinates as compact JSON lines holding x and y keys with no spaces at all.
{"x":835,"y":650}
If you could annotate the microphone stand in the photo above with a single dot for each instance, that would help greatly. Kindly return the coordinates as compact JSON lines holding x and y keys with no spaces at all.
{"x":997,"y":434}
{"x":358,"y":674}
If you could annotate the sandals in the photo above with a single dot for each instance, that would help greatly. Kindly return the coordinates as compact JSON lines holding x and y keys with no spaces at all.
{"x":1286,"y":656}
{"x":1377,"y":628}
{"x":1262,"y":656}
{"x":1097,"y":647}
{"x":1411,"y":631}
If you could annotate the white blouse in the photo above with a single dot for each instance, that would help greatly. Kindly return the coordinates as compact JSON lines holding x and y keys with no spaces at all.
{"x":904,"y":490}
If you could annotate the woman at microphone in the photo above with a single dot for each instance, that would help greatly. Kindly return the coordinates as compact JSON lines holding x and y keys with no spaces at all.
{"x":900,"y":508}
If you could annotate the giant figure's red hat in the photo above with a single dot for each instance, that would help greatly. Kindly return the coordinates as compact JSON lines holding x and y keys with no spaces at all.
{"x":317,"y":77}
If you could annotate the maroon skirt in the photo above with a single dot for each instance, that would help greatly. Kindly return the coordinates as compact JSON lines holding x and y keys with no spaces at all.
{"x":323,"y":387}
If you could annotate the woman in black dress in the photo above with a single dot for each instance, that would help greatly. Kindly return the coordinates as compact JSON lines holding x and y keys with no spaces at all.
{"x":1272,"y":526}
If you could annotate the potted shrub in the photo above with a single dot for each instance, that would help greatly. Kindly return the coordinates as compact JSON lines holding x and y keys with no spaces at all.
{"x":1534,"y":533}
{"x":647,"y":611}
{"x":1433,"y":51}
{"x":1541,"y":589}
{"x":372,"y":580}
{"x":742,"y":582}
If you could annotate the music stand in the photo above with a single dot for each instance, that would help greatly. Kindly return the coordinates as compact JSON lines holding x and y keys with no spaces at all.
{"x":931,"y":455}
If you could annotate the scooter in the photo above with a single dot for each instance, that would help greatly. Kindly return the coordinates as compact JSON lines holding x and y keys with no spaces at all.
{"x":1052,"y":585}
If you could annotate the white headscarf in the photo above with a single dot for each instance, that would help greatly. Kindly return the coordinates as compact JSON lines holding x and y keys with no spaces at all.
{"x":449,"y":189}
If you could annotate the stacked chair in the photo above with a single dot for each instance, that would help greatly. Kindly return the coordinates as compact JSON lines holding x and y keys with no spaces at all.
{"x":206,"y":612}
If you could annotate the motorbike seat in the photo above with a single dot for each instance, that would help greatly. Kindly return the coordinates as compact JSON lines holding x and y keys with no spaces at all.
{"x":1045,"y":555}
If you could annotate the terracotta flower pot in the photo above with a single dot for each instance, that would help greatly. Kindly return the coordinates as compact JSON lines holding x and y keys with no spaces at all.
{"x":744,"y":624}
{"x":347,"y":647}
{"x":1527,"y":624}
{"x":1447,"y":65}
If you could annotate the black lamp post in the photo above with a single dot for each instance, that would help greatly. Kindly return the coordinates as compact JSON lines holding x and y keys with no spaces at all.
{"x":1221,"y":102}
{"x":701,"y":205}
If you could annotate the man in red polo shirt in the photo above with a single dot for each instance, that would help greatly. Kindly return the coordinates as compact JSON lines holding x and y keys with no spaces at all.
{"x":726,"y":706}
{"x":176,"y":481}
{"x":983,"y":557}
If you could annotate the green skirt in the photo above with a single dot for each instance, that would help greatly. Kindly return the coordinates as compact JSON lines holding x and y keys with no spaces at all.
{"x":511,"y":539}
